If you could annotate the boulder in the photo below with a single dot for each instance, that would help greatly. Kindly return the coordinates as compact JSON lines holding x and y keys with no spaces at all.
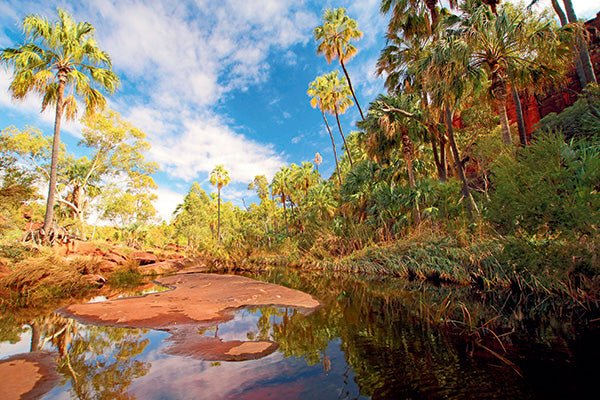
{"x":163,"y":267}
{"x":143,"y":257}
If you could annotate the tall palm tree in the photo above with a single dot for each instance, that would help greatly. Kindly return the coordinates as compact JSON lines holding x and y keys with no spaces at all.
{"x":336,"y":101}
{"x":219,"y":177}
{"x":281,"y":187}
{"x":318,"y":93}
{"x":334,"y":38}
{"x":62,"y":62}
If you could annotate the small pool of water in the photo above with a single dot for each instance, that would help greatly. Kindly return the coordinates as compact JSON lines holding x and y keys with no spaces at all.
{"x":368,"y":340}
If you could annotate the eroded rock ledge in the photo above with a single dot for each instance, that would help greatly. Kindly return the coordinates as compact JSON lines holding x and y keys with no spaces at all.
{"x":196,"y":298}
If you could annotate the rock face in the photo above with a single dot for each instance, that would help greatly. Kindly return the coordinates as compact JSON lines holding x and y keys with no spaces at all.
{"x":537,"y":107}
{"x":196,"y":298}
{"x":27,"y":376}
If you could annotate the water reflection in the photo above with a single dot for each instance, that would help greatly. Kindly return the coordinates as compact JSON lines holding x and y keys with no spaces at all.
{"x":371,"y":338}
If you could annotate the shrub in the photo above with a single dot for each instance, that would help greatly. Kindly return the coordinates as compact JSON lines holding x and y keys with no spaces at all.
{"x":549,"y":187}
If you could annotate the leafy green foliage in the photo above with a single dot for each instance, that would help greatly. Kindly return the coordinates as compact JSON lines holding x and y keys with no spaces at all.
{"x":550,"y":187}
{"x":581,"y":120}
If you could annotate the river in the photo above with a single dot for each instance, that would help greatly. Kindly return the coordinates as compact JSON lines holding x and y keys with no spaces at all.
{"x":372,"y":338}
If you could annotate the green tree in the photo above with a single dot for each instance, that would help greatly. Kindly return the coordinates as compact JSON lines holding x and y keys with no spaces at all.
{"x":117,"y":152}
{"x":334,"y":37}
{"x":57,"y":56}
{"x":261,"y":185}
{"x":219,"y":177}
{"x":193,"y":216}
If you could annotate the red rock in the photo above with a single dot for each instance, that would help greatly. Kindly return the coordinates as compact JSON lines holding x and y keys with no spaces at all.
{"x":162,"y":267}
{"x":143,"y":257}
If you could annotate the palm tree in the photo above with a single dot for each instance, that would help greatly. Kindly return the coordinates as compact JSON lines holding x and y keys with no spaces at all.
{"x":503,"y":46}
{"x":318,"y":160}
{"x":281,"y":187}
{"x":336,"y":101}
{"x":61,"y":61}
{"x":334,"y":38}
{"x":390,"y":119}
{"x":219,"y":177}
{"x":317,"y":91}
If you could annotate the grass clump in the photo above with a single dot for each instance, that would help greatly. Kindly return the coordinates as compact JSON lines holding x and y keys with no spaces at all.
{"x":37,"y":280}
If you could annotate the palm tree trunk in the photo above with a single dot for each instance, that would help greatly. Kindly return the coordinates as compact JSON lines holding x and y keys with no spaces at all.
{"x":337,"y":118}
{"x":49,"y":217}
{"x":439,"y":156}
{"x":287,"y":231}
{"x":520,"y":118}
{"x":352,"y":89}
{"x":469,"y":202}
{"x":501,"y":108}
{"x":564,"y":21}
{"x":219,"y":214}
{"x":407,"y":150}
{"x":584,"y":53}
{"x":431,"y":6}
{"x":337,"y":166}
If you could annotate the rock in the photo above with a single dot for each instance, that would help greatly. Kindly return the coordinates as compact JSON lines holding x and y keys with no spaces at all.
{"x":107,"y":266}
{"x":195,"y":298}
{"x":114,"y":257}
{"x":143,"y":257}
{"x":162,"y":267}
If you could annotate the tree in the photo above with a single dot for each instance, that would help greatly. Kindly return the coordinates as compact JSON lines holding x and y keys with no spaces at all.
{"x":117,"y":152}
{"x":261,"y":185}
{"x":318,"y":92}
{"x":336,"y":101}
{"x":57,"y":56}
{"x":193,"y":216}
{"x":219,"y":177}
{"x":318,"y":160}
{"x":334,"y":38}
{"x":503,"y":45}
{"x":584,"y":54}
{"x":281,"y":187}
{"x":392,"y":119}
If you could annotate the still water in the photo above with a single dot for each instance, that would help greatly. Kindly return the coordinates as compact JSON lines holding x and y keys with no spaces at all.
{"x":372,"y":338}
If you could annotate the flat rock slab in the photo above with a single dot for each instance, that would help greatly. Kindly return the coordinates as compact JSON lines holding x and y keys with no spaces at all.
{"x":27,"y":376}
{"x":196,"y":298}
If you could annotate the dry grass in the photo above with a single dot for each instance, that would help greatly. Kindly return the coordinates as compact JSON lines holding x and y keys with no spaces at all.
{"x":36,"y":280}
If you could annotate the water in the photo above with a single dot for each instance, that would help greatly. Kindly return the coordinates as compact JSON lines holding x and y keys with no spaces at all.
{"x":371,"y":339}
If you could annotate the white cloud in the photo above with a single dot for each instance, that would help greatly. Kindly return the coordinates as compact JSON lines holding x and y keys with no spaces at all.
{"x":167,"y":201}
{"x":205,"y":142}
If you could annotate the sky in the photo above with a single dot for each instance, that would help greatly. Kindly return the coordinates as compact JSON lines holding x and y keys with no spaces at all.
{"x":213,"y":82}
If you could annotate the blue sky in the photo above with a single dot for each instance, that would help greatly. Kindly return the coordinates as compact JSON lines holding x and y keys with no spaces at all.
{"x":213,"y":82}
